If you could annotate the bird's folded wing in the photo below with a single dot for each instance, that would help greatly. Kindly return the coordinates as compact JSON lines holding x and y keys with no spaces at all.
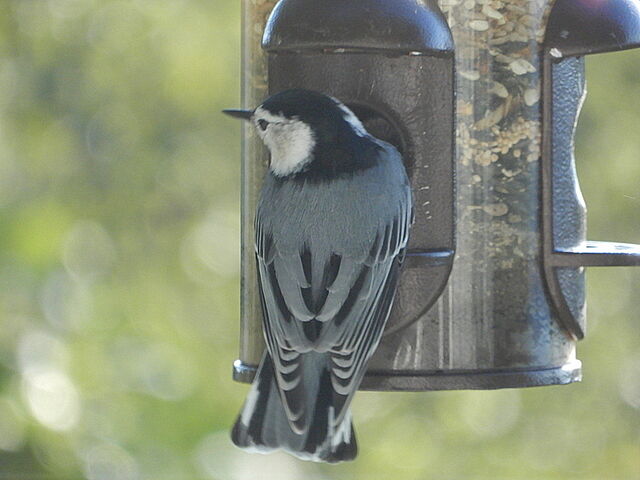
{"x":356,"y":295}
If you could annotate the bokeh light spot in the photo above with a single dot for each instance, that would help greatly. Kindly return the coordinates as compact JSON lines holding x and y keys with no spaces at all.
{"x":217,"y":458}
{"x":109,"y":462}
{"x":158,"y":369}
{"x":66,"y":304}
{"x":39,"y":351}
{"x":213,"y":244}
{"x":88,"y":251}
{"x":52,"y":398}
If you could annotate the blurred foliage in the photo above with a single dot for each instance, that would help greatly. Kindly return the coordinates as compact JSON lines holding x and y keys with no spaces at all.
{"x":119,"y":235}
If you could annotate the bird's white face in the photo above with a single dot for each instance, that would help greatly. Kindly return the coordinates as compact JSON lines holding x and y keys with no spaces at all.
{"x":289,"y":140}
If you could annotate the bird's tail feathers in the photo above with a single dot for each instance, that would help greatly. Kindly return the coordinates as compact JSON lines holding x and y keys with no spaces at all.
{"x":262,"y":425}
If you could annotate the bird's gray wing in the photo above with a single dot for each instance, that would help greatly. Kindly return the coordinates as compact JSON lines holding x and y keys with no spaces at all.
{"x":339,"y":309}
{"x":280,"y":325}
{"x":360,"y":321}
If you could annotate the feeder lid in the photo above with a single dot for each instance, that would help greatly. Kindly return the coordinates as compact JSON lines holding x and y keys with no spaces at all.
{"x":580,"y":27}
{"x":401,"y":26}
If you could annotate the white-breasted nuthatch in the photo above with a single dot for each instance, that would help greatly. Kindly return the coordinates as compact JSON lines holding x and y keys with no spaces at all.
{"x":332,"y":226}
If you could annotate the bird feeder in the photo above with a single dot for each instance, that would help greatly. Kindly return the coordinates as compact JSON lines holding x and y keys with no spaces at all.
{"x":503,"y":305}
{"x":392,"y":64}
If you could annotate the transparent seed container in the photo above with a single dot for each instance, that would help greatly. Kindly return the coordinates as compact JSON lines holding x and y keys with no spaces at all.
{"x":493,"y":326}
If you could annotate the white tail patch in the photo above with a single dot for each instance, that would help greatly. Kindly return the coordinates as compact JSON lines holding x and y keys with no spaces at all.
{"x":341,"y":434}
{"x":249,"y":405}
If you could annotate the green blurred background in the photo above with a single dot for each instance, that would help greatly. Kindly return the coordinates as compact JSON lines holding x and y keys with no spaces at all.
{"x":119,"y":271}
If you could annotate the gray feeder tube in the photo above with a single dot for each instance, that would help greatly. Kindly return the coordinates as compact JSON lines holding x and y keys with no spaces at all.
{"x":512,"y":308}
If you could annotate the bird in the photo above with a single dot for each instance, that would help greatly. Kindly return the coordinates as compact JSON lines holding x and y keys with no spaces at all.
{"x":331,"y":231}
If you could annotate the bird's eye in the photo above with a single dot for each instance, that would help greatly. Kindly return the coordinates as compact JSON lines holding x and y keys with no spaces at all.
{"x":262,"y":124}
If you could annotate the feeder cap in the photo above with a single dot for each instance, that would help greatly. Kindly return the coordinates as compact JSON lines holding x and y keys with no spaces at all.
{"x":581,"y":27}
{"x":400,"y":26}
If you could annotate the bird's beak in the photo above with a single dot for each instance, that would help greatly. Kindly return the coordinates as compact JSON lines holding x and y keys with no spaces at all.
{"x":242,"y":114}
